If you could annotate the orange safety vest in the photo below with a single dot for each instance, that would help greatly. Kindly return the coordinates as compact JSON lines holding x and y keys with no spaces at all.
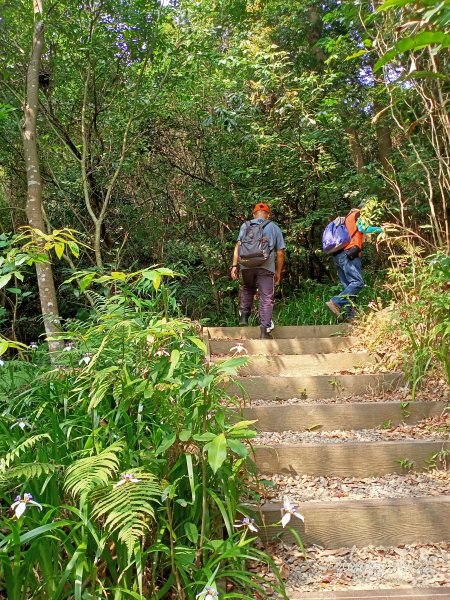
{"x":356,"y":237}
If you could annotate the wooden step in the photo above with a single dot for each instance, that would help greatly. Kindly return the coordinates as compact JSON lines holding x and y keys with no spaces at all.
{"x":379,"y":594}
{"x":284,"y":346}
{"x":282,"y":332}
{"x":346,"y":459}
{"x":384,"y":522}
{"x":344,"y":416}
{"x":314,"y":386}
{"x":305,"y":364}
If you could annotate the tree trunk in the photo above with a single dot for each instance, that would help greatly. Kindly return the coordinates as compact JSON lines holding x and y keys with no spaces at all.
{"x":355,"y":148}
{"x":384,"y":141}
{"x":47,"y":292}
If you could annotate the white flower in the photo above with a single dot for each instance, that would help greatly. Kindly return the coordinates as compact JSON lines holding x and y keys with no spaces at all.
{"x":289,"y":510}
{"x":239,"y":349}
{"x":210,"y":414}
{"x":2,"y":363}
{"x":161,"y":352}
{"x":208,"y":593}
{"x":86,"y":359}
{"x":33,"y":346}
{"x":247,"y":523}
{"x":126,"y":478}
{"x":68,"y":347}
{"x":20,"y":422}
{"x":20,"y":504}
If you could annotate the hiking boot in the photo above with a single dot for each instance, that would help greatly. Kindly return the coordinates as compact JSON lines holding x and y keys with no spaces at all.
{"x":334,"y":308}
{"x":243,"y":317}
{"x":265,"y":335}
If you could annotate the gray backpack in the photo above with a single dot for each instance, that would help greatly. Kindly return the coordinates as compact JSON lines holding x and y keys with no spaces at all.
{"x":254,"y":248}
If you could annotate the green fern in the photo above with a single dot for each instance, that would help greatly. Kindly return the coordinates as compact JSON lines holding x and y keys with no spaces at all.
{"x":87,"y":473}
{"x":27,"y":444}
{"x":27,"y":471}
{"x":103,"y":381}
{"x":128,"y":508}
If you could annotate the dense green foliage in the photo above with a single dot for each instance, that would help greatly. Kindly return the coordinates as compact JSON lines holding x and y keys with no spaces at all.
{"x":161,"y":123}
{"x":130,"y":394}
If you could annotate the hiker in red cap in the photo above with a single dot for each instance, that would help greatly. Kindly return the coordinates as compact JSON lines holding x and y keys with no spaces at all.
{"x":259,"y":253}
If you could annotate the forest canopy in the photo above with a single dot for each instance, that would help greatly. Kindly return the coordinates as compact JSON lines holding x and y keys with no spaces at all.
{"x":160,"y":124}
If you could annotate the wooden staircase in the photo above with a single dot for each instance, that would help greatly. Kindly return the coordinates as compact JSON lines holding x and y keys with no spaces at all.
{"x":303,"y":365}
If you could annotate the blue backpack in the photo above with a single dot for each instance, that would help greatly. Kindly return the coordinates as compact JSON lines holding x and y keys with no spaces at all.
{"x":335,"y":236}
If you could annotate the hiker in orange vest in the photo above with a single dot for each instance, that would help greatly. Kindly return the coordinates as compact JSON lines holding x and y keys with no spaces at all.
{"x":348,"y":265}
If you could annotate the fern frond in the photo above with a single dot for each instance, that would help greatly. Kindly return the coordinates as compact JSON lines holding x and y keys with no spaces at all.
{"x":27,"y":444}
{"x":103,"y":381}
{"x":128,"y":508}
{"x":26,"y":471}
{"x":87,"y":473}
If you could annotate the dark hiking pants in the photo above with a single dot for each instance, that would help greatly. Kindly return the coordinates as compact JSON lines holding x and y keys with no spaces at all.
{"x":263,"y":281}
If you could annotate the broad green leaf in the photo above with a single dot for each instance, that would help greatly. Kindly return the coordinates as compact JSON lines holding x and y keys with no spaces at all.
{"x":59,"y":249}
{"x":217,"y":452}
{"x":394,"y":4}
{"x":230,"y":366}
{"x":157,"y":281}
{"x":165,"y":444}
{"x":242,"y":424}
{"x":185,"y":434}
{"x":74,"y":248}
{"x":86,"y":281}
{"x":4,"y":279}
{"x":164,"y":271}
{"x":204,"y":437}
{"x":191,"y":532}
{"x":174,"y":360}
{"x":243,"y":434}
{"x":356,"y":54}
{"x":118,"y":276}
{"x":238,"y":448}
{"x":415,"y":42}
{"x":198,"y":342}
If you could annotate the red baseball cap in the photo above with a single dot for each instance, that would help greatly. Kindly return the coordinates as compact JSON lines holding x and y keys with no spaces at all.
{"x":261,"y":206}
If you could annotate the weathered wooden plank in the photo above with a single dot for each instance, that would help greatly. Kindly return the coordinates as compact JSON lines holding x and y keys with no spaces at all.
{"x":385,"y":522}
{"x":314,"y":386}
{"x":348,"y":415}
{"x":305,"y":364}
{"x":284,"y":346}
{"x":376,"y":594}
{"x":346,"y":459}
{"x":282,"y":332}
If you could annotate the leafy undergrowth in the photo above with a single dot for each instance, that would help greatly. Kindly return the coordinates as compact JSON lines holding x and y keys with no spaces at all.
{"x":412,"y":333}
{"x":121,"y":466}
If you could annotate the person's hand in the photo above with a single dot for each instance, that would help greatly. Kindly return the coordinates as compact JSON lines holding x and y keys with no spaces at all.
{"x":277,"y":278}
{"x":234,"y":273}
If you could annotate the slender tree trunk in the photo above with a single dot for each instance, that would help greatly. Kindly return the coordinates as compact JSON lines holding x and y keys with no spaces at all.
{"x":47,"y":292}
{"x":355,"y":148}
{"x":384,"y":141}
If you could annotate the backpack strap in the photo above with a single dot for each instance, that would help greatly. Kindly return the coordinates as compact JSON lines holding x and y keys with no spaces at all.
{"x":262,"y":225}
{"x":357,"y":214}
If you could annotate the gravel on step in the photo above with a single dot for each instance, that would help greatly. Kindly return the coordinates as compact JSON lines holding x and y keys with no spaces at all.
{"x":435,"y":390}
{"x":418,"y":565}
{"x":306,"y":488}
{"x":433,"y":428}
